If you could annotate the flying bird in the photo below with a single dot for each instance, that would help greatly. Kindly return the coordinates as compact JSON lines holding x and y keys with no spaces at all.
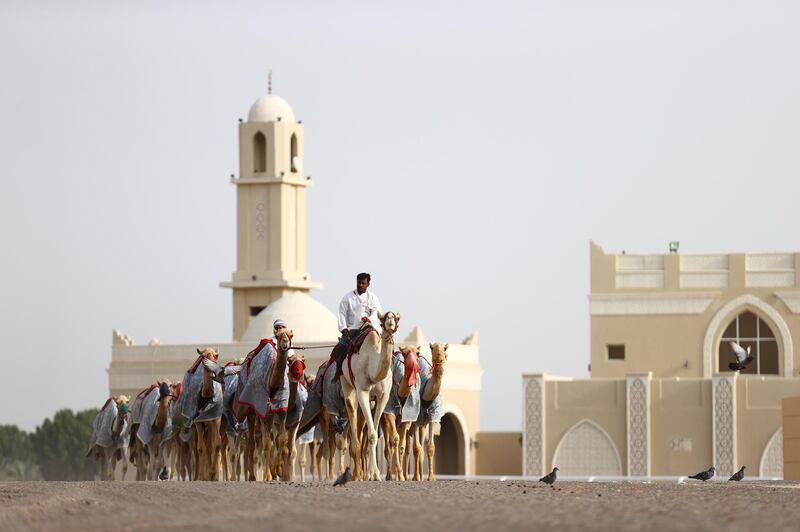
{"x":344,"y":478}
{"x":739,"y":475}
{"x":218,"y":371}
{"x":705,"y":475}
{"x":550,"y":478}
{"x":743,"y":357}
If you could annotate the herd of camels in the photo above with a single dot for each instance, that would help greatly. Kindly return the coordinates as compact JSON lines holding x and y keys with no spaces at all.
{"x":252,"y":418}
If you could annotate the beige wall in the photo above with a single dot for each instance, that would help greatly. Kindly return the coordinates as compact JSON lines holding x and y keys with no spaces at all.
{"x":498,"y":453}
{"x":758,"y":402}
{"x":791,"y":438}
{"x":601,"y":401}
{"x":681,"y":438}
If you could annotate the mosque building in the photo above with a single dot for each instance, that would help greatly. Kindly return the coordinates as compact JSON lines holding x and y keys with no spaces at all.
{"x":661,"y":399}
{"x":272,"y":281}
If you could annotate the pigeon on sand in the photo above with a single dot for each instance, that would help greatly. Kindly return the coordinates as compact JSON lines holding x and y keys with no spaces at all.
{"x":705,"y":475}
{"x":344,"y":478}
{"x":739,"y":475}
{"x":550,"y":478}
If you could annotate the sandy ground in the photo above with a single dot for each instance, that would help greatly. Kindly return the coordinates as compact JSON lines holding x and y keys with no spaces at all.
{"x":443,"y":505}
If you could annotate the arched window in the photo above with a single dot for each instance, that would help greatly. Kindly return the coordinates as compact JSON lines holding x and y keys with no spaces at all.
{"x":748,"y":330}
{"x":293,"y":153}
{"x":259,"y":153}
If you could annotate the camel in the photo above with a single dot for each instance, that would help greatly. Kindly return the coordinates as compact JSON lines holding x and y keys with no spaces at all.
{"x":297,"y":401}
{"x":200,"y":410}
{"x":109,"y":437}
{"x":276,"y":433}
{"x":182,"y":441}
{"x":431,"y":384}
{"x":139,"y":454}
{"x":263,"y":394}
{"x":161,"y":426}
{"x":368,"y":375}
{"x":230,"y":429}
{"x":206,"y":432}
{"x":405,"y":367}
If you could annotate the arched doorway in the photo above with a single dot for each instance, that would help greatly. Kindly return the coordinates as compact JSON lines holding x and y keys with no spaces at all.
{"x":586,"y":449}
{"x":449,"y":456}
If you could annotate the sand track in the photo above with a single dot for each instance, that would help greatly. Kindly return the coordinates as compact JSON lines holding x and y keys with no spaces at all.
{"x":454,"y":505}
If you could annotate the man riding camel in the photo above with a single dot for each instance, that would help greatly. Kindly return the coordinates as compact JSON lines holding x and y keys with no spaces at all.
{"x":357,"y":308}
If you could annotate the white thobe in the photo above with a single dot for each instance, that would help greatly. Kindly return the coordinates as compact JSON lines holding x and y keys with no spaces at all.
{"x":355,"y":306}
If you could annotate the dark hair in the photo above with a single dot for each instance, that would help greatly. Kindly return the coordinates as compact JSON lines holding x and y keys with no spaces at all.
{"x":363,"y":275}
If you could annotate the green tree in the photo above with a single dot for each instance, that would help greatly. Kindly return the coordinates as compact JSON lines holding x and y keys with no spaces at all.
{"x":60,"y":445}
{"x":17,"y":461}
{"x":14,"y":444}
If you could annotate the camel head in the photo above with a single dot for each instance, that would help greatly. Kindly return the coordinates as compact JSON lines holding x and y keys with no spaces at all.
{"x":284,"y":339}
{"x":438,"y":356}
{"x":297,"y":367}
{"x":389,"y":321}
{"x":209,"y":353}
{"x":122,"y":412}
{"x":411,"y":363}
{"x":165,"y":389}
{"x":122,"y":405}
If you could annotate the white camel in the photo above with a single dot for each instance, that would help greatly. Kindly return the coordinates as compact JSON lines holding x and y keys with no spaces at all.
{"x":367,"y":375}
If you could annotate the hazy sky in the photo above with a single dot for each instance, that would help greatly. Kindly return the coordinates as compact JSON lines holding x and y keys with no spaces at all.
{"x":464,"y":153}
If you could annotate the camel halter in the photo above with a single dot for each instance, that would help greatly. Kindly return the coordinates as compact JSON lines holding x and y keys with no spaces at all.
{"x":396,"y":322}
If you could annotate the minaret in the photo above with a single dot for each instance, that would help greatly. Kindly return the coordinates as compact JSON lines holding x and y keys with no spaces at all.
{"x":270,"y":211}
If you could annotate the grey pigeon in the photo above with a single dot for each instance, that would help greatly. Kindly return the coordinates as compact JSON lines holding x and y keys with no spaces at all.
{"x":739,"y":475}
{"x":163,"y":475}
{"x":705,"y":475}
{"x":743,"y":357}
{"x":551,"y":478}
{"x":344,"y":478}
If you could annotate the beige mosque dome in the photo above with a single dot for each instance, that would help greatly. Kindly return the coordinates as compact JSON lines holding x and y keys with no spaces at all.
{"x":270,"y":108}
{"x":310,"y":321}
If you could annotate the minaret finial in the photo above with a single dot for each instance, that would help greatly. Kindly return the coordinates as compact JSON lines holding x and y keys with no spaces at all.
{"x":269,"y":82}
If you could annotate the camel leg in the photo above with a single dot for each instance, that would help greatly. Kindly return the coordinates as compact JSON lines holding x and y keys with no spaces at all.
{"x":292,"y":442}
{"x":223,"y":452}
{"x":281,"y":447}
{"x":372,"y":438}
{"x":340,"y":452}
{"x":417,"y":454}
{"x":199,"y":451}
{"x":212,"y":436}
{"x":313,"y":450}
{"x":231,"y":452}
{"x":380,"y":404}
{"x":250,"y":449}
{"x":266,"y":435}
{"x":100,"y":456}
{"x":124,"y":460}
{"x":430,"y":447}
{"x":355,"y":448}
{"x":300,"y":452}
{"x":328,"y":444}
{"x":403,"y":451}
{"x":387,"y":443}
